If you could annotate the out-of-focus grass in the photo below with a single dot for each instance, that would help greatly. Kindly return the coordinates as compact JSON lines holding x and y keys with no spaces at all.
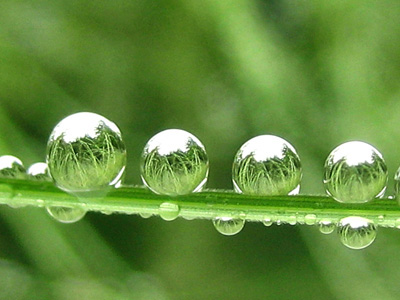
{"x":316,"y":73}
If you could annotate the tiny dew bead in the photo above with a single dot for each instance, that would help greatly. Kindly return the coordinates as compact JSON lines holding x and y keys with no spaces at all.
{"x":39,"y":171}
{"x":266,"y":165}
{"x":11,"y":167}
{"x":355,"y":172}
{"x":174,"y":162}
{"x":86,"y":154}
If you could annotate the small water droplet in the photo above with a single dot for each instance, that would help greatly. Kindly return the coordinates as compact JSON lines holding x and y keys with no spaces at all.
{"x":11,"y":167}
{"x":397,"y":223}
{"x":16,"y":205}
{"x":174,"y":162}
{"x":326,"y":226}
{"x":86,"y":155}
{"x":267,"y":222}
{"x":292,"y":220}
{"x":381,"y":219}
{"x":39,"y":171}
{"x":310,"y":219}
{"x":278,"y":222}
{"x":66,"y":214}
{"x":228,"y":225}
{"x":355,"y":172}
{"x":39,"y":203}
{"x":356,"y":232}
{"x":145,"y":215}
{"x":266,"y":165}
{"x":107,"y":212}
{"x":169,"y":211}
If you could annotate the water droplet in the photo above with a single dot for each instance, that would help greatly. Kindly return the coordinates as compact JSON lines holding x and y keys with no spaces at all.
{"x":326,"y":226}
{"x":169,"y":211}
{"x":39,"y":171}
{"x":356,"y":232}
{"x":174,"y":162}
{"x":266,"y":165}
{"x":106,"y":212}
{"x":267,"y":222}
{"x":86,"y":154}
{"x":66,"y":214}
{"x":228,"y":225}
{"x":39,"y":203}
{"x":381,"y":219}
{"x":397,"y":223}
{"x":310,"y":219}
{"x":11,"y":167}
{"x":292,"y":220}
{"x":145,"y":215}
{"x":355,"y":172}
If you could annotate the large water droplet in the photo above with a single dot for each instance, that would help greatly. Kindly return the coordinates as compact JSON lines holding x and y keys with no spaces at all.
{"x":169,"y":211}
{"x":326,"y":226}
{"x":267,"y":165}
{"x":39,"y":171}
{"x":11,"y":167}
{"x":355,"y":172}
{"x":86,"y":154}
{"x":174,"y":162}
{"x":356,"y":232}
{"x":228,"y":225}
{"x":66,"y":214}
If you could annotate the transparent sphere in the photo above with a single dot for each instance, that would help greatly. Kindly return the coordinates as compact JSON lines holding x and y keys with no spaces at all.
{"x":397,"y":185}
{"x":11,"y":167}
{"x":356,"y":232}
{"x":355,"y":172}
{"x":174,"y":162}
{"x":228,"y":225}
{"x":86,"y":153}
{"x":66,"y":214}
{"x":39,"y":171}
{"x":266,"y":165}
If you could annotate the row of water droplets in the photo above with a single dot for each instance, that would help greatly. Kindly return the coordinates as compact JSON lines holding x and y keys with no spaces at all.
{"x":86,"y":156}
{"x":12,"y":167}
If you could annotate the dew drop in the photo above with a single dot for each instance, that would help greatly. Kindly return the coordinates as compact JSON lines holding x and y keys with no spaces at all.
{"x":228,"y":225}
{"x":292,"y":220}
{"x":174,"y":162}
{"x":356,"y":232}
{"x":267,"y":222}
{"x":39,"y":171}
{"x":355,"y":172}
{"x":11,"y":167}
{"x":310,"y":219}
{"x":266,"y":165}
{"x":86,"y":154}
{"x":145,"y":215}
{"x":66,"y":214}
{"x":326,"y":226}
{"x":169,"y":211}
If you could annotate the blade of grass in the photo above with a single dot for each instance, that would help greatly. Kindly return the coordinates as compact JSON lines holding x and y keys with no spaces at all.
{"x":209,"y":204}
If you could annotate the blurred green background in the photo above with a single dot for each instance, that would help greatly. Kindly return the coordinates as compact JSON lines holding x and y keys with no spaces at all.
{"x":317,"y":73}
